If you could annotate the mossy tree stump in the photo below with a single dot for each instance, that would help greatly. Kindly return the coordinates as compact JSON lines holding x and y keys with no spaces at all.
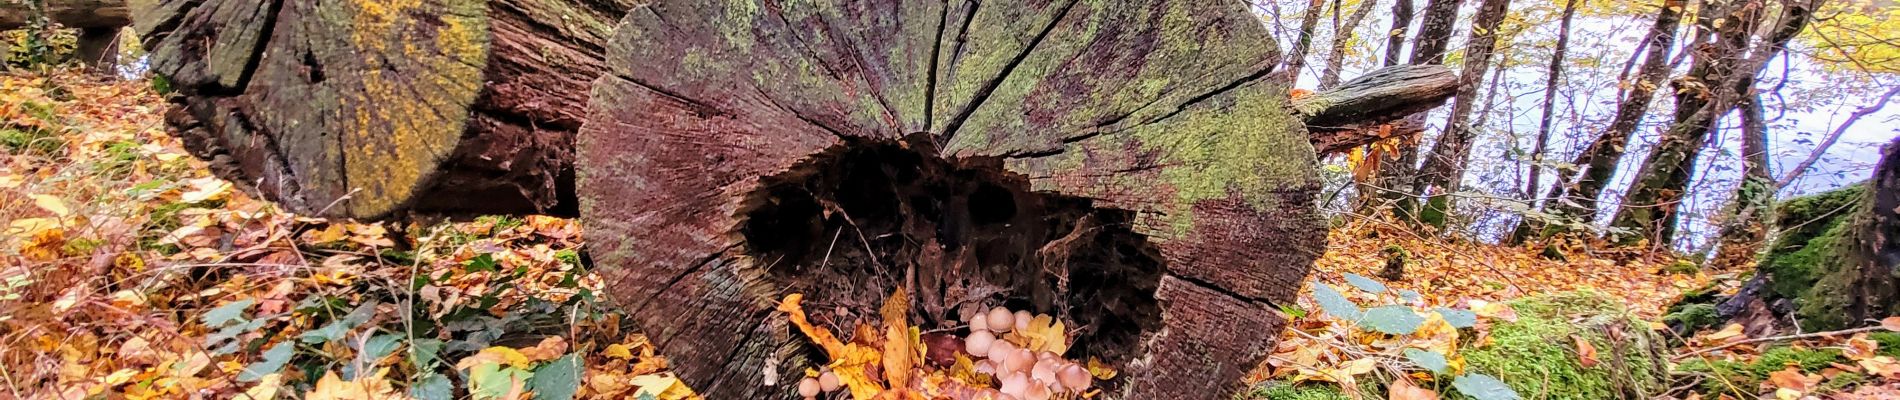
{"x":365,"y":108}
{"x":1836,"y":263}
{"x":1132,"y":167}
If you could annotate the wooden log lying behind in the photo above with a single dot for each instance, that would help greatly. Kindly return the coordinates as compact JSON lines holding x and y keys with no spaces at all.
{"x":1128,"y":166}
{"x":367,"y":108}
{"x":1354,"y":113}
{"x":99,"y":23}
{"x":71,"y":13}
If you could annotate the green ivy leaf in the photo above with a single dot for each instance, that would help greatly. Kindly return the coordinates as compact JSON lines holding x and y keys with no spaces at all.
{"x":492,"y":381}
{"x":558,"y":379}
{"x":1429,"y":360}
{"x":226,"y":314}
{"x":336,"y":329}
{"x":1484,"y":387}
{"x":433,"y":386}
{"x":483,"y":262}
{"x":378,"y":347}
{"x":1458,"y":318}
{"x":422,"y":352}
{"x":1396,"y":320}
{"x":1364,"y":283}
{"x":1409,"y":295}
{"x":274,"y":360}
{"x":1335,"y":304}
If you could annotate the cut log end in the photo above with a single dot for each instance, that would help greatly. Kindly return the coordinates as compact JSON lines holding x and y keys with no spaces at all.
{"x":362,"y":109}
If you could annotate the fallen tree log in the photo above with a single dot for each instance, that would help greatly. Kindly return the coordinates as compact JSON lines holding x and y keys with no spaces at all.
{"x":71,"y":13}
{"x":1130,"y":167}
{"x":99,"y":23}
{"x":366,"y":109}
{"x":1358,"y":112}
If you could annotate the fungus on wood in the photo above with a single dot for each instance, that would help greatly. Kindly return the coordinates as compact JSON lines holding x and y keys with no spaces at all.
{"x":1131,"y":167}
{"x":366,"y":108}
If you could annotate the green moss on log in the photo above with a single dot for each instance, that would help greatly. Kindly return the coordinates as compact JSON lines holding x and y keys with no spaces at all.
{"x":1537,"y":356}
{"x":1815,"y":229}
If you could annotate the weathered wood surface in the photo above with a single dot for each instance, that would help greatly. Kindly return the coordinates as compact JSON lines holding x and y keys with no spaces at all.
{"x":367,"y":108}
{"x":15,"y":14}
{"x":1353,"y":114}
{"x":1132,"y":166}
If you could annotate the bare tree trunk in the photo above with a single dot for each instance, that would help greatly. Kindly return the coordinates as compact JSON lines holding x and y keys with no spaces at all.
{"x":1342,"y":36}
{"x":1526,"y":225}
{"x":1551,"y":81}
{"x":1445,"y":165}
{"x":1309,"y":23}
{"x":1395,"y":39}
{"x":1598,"y":161}
{"x":1724,"y":71}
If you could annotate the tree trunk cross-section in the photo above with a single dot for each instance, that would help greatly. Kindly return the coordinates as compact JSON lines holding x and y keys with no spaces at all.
{"x":1132,"y":167}
{"x":364,"y":108}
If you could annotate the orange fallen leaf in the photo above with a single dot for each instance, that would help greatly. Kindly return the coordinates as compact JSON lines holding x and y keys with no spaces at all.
{"x":1586,"y":352}
{"x":1891,"y":323}
{"x":1793,"y":379}
{"x":1404,"y":390}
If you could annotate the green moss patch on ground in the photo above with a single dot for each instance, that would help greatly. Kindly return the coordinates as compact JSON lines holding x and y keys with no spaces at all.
{"x":1538,"y":357}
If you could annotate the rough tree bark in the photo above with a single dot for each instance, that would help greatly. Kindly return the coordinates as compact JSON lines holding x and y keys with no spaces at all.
{"x":99,"y":23}
{"x":1434,"y":34}
{"x":1444,"y":166}
{"x":1578,"y":200}
{"x":368,"y":109}
{"x":1128,"y":166}
{"x":1723,"y":72}
{"x":1303,"y":43}
{"x":1395,"y":39}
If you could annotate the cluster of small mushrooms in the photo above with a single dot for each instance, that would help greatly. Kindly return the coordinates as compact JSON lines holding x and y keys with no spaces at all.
{"x":1019,"y":373}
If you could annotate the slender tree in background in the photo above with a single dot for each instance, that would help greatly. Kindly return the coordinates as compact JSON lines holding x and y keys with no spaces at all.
{"x":1342,"y":37}
{"x":1445,"y":164}
{"x":1577,"y":200}
{"x":1723,"y":72}
{"x":1309,"y":23}
{"x":1791,"y":174}
{"x":1396,"y":174}
{"x":1552,"y":78}
{"x":1395,"y":38}
{"x":1745,"y":228}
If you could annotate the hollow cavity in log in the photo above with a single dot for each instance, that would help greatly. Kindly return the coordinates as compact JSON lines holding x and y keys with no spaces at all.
{"x":858,"y":220}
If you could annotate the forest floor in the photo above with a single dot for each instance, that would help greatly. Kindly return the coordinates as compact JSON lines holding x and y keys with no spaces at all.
{"x":127,"y":269}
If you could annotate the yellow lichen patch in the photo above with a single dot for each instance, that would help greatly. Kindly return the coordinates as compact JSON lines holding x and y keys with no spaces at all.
{"x":418,"y":79}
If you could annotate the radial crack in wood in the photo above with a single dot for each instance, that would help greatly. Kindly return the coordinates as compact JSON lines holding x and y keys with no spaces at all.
{"x":1130,"y":166}
{"x":366,"y":108}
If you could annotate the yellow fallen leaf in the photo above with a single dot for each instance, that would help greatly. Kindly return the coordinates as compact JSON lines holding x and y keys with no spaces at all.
{"x":1042,"y":334}
{"x":1860,"y":348}
{"x":1100,"y":370}
{"x":1728,"y":332}
{"x":266,"y":388}
{"x":619,"y":351}
{"x":52,"y":204}
{"x":497,"y":355}
{"x":204,"y":189}
{"x":662,"y":387}
{"x":900,"y":355}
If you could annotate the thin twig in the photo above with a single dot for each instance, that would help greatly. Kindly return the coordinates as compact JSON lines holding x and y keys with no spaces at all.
{"x":1779,"y":338}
